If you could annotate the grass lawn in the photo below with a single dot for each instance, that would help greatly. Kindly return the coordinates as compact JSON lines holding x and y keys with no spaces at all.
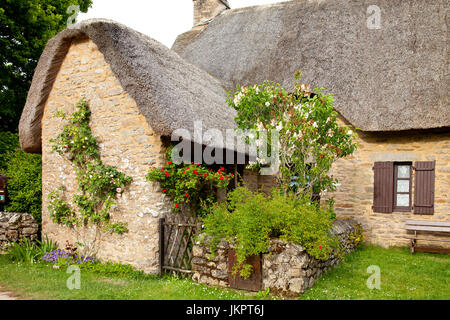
{"x":42,"y":282}
{"x":403,"y":276}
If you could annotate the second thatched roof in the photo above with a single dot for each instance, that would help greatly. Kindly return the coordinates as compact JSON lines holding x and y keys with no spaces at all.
{"x":387,"y":75}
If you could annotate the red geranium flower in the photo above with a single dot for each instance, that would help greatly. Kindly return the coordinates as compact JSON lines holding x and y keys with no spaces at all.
{"x":320,"y":247}
{"x":195,"y":172}
{"x":187,"y":195}
{"x":184,"y":172}
{"x":221,"y":178}
{"x":205,"y":175}
{"x":222,"y":168}
{"x":164,"y":190}
{"x":170,"y":162}
{"x":176,"y":205}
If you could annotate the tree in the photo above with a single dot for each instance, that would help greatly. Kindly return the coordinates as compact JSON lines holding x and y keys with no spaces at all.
{"x":310,"y":136}
{"x":25,"y":28}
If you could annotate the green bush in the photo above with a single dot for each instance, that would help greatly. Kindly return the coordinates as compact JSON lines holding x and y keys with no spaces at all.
{"x":112,"y":269}
{"x":250,"y":219}
{"x":9,"y":142}
{"x":29,"y":252}
{"x":25,"y":183}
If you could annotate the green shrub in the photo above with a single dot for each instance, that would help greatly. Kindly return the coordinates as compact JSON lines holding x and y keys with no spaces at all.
{"x":24,"y":169}
{"x":250,"y":219}
{"x":29,"y":252}
{"x":25,"y":183}
{"x":8,"y":143}
{"x":112,"y":269}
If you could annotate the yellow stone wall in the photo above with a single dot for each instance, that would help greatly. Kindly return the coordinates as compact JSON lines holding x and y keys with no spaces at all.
{"x":354,"y":197}
{"x":125,"y":140}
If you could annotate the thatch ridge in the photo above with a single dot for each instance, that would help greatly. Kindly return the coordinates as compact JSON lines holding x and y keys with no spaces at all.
{"x":170,"y":92}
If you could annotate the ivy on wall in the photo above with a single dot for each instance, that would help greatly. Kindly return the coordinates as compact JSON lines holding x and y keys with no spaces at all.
{"x":99,"y":185}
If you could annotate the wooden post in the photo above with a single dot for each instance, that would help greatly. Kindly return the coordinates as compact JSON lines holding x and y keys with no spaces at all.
{"x":161,"y":245}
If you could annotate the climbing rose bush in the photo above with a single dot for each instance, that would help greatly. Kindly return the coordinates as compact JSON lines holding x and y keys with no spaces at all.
{"x":99,"y":185}
{"x":189,"y":184}
{"x":310,"y":136}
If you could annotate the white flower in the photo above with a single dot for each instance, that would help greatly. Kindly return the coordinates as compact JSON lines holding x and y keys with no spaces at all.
{"x":315,"y":125}
{"x":260,"y":125}
{"x":267,"y":104}
{"x":279,"y":126}
{"x":85,"y":138}
{"x":72,"y":141}
{"x":350,"y":132}
{"x":119,"y":190}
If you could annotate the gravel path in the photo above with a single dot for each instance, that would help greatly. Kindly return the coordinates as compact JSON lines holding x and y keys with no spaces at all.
{"x":4,"y":295}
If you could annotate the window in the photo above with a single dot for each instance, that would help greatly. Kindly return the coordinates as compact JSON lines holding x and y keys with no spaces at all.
{"x":393,"y":187}
{"x":402,"y":186}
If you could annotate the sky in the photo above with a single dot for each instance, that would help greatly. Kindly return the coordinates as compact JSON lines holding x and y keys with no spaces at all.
{"x":162,"y":20}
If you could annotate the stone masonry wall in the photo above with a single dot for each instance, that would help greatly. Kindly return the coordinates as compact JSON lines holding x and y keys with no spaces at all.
{"x":254,"y":181}
{"x":125,"y":140}
{"x":288,"y":270}
{"x":354,"y":196}
{"x":16,"y":226}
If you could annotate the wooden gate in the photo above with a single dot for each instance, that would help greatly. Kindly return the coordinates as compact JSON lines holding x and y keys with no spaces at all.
{"x":176,"y":240}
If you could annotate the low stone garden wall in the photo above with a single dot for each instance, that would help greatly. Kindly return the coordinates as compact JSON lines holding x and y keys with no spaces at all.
{"x":287,"y":269}
{"x":15,"y":226}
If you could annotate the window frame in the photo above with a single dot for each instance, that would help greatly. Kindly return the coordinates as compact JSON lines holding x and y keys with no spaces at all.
{"x":395,"y":207}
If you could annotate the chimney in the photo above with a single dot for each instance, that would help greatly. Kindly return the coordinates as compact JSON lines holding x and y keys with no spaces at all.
{"x":206,"y":10}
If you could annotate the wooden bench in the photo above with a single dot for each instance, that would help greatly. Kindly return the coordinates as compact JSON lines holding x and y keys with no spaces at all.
{"x":430,"y":227}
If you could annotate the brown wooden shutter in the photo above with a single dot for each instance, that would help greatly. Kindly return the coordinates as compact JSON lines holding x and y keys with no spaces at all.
{"x":424,"y":187}
{"x":383,"y":191}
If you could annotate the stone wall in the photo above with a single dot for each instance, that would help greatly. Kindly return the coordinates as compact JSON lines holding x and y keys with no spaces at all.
{"x":125,"y":140}
{"x":354,"y":196}
{"x":254,"y":181}
{"x":287,"y":269}
{"x":16,"y":226}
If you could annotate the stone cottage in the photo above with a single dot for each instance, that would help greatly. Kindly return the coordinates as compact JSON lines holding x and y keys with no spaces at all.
{"x":389,"y":82}
{"x":139,"y":92}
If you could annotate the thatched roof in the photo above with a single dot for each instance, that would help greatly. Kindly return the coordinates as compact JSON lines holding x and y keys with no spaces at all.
{"x":170,"y":92}
{"x":393,"y":78}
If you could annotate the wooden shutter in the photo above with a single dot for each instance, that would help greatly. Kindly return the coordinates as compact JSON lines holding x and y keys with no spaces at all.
{"x":424,"y":187}
{"x":383,"y":191}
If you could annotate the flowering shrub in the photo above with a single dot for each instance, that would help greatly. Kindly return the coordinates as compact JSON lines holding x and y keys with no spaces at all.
{"x":99,"y":184}
{"x":190,"y":184}
{"x":310,"y":137}
{"x":250,"y":219}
